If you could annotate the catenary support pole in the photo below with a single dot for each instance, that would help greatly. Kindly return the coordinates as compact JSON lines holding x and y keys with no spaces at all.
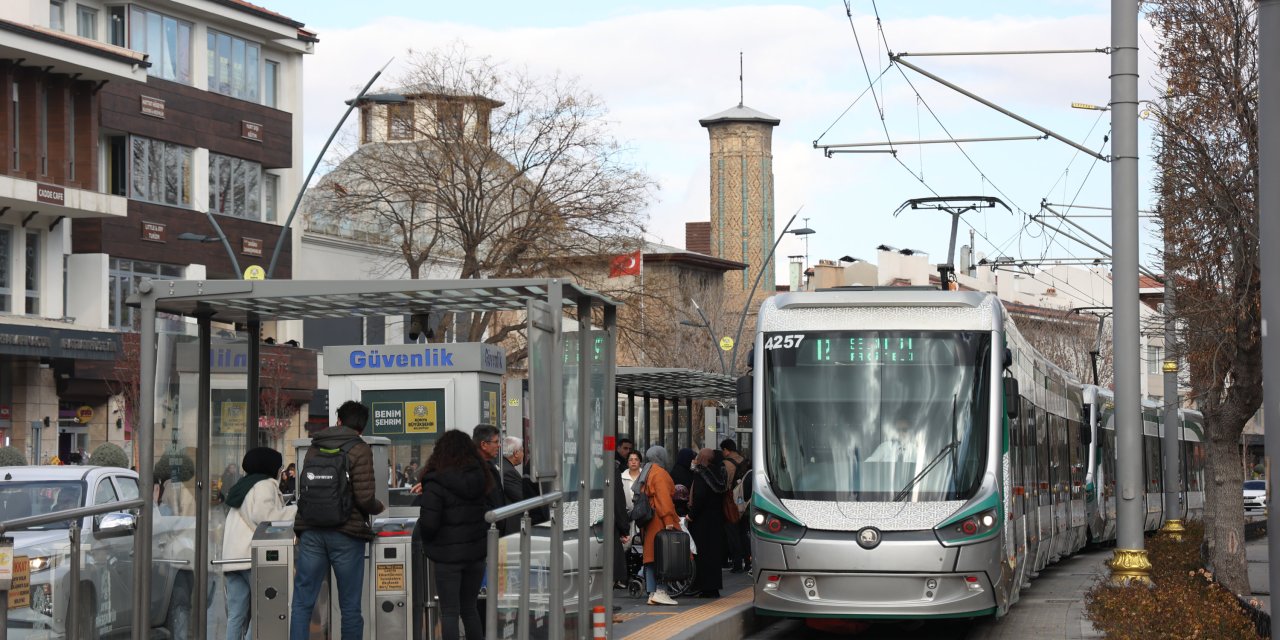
{"x":1129,"y":563}
{"x":1269,"y":227}
{"x":1171,"y":442}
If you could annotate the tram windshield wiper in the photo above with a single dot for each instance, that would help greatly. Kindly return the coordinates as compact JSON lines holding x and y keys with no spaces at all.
{"x":925,"y":471}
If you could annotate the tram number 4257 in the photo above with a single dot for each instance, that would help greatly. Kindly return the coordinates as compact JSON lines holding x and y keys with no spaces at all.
{"x":784,"y":342}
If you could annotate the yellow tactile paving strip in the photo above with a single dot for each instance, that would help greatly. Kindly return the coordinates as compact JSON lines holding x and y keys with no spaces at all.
{"x":683,"y":620}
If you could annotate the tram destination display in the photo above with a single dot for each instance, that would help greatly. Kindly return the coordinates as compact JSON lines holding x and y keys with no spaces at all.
{"x":837,"y":348}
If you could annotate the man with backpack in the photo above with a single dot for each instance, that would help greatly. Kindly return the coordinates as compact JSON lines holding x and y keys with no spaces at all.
{"x":335,"y":500}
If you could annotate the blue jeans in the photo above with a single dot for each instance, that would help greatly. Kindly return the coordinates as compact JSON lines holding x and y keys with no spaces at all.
{"x":651,"y":579}
{"x":239,"y":590}
{"x":319,"y":550}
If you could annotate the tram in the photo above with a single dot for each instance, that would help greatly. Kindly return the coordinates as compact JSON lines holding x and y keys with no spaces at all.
{"x":915,"y":457}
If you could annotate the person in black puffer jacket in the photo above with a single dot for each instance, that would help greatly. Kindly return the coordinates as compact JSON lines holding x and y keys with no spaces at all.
{"x":454,"y":486}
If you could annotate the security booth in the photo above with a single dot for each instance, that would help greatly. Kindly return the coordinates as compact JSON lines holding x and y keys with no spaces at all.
{"x":416,"y":391}
{"x":569,"y":437}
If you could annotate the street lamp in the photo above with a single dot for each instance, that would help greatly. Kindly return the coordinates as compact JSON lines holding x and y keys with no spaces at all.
{"x":707,"y":324}
{"x":379,"y":98}
{"x":802,"y":231}
{"x":221,"y":237}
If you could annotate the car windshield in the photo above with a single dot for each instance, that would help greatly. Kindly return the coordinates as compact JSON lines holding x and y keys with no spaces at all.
{"x":1255,"y":485}
{"x":23,"y":499}
{"x":876,"y":415}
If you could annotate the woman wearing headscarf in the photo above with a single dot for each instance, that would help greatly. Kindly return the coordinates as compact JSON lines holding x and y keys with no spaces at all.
{"x":660,"y":489}
{"x":252,"y":499}
{"x":455,"y":486}
{"x":682,"y":475}
{"x":706,"y":522}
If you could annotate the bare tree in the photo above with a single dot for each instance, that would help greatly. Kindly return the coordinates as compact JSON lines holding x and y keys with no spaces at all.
{"x":1067,"y":339}
{"x":276,"y":410}
{"x":490,"y":171}
{"x":1207,"y":159}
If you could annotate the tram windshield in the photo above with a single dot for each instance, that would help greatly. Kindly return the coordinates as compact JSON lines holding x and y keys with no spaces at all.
{"x":876,"y":416}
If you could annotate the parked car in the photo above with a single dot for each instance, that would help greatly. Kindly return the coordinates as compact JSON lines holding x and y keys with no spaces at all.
{"x":104,"y":603}
{"x":1255,"y":496}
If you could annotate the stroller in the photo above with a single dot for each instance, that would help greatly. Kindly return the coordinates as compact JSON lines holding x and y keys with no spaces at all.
{"x":635,"y":572}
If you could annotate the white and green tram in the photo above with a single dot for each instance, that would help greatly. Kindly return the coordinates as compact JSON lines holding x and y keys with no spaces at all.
{"x":913,"y":456}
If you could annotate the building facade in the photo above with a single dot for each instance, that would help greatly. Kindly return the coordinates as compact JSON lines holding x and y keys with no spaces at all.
{"x":155,"y":139}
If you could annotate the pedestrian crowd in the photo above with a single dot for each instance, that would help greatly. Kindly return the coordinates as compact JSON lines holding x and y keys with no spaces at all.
{"x":702,"y":496}
{"x":679,"y":523}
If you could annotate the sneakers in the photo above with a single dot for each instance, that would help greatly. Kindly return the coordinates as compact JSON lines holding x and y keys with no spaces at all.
{"x":660,"y":597}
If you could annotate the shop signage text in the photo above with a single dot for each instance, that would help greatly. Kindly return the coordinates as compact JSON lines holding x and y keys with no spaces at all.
{"x":153,"y":107}
{"x":153,"y":232}
{"x":58,"y":343}
{"x":51,"y":194}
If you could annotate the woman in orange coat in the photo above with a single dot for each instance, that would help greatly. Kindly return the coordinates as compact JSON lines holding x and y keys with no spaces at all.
{"x":661,"y":490}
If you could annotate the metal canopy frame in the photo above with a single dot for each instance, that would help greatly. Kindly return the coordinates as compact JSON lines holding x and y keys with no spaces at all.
{"x":676,"y":383}
{"x":252,"y":302}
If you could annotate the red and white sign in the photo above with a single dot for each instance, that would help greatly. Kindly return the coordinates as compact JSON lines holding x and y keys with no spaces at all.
{"x":152,"y":106}
{"x":6,"y":413}
{"x":251,"y":131}
{"x":153,"y":232}
{"x":51,"y":194}
{"x":627,"y":264}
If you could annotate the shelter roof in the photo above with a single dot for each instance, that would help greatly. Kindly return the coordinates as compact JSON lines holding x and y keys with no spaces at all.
{"x":243,"y":300}
{"x":676,"y":383}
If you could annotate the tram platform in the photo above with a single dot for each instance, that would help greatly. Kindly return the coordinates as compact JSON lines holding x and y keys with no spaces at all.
{"x":730,"y":616}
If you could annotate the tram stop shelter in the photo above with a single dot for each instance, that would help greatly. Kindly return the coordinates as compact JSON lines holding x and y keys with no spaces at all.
{"x":674,"y":385}
{"x":570,"y":404}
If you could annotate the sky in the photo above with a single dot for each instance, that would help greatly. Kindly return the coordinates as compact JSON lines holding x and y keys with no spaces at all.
{"x":660,"y":65}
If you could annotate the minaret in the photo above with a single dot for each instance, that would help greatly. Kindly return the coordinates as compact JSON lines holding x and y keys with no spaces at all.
{"x":742,"y":197}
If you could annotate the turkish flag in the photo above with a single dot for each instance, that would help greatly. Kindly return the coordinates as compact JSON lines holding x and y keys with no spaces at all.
{"x":627,"y":264}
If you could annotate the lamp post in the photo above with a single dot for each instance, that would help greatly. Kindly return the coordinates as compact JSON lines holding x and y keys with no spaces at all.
{"x":221,"y":237}
{"x":380,"y":98}
{"x":803,"y":231}
{"x":707,"y":324}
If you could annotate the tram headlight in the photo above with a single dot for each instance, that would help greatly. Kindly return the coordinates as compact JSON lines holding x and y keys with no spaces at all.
{"x":773,"y":528}
{"x":974,"y":528}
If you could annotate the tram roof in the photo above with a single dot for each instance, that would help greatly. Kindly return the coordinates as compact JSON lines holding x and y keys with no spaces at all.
{"x":243,"y":300}
{"x":676,"y":383}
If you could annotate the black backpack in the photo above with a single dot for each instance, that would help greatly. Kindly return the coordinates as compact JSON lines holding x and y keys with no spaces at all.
{"x":325,"y":496}
{"x":641,"y":511}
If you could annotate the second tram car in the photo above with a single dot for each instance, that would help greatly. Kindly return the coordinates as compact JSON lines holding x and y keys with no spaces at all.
{"x":913,"y":456}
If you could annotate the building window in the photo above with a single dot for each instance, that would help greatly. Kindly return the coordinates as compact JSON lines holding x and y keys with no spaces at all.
{"x":165,"y":40}
{"x":32,"y":280}
{"x":42,"y":129}
{"x":271,"y":84}
{"x":118,"y":30}
{"x":449,"y":120}
{"x":233,"y":66}
{"x":6,"y":261}
{"x":1155,"y":356}
{"x":57,"y":15}
{"x":117,"y":165}
{"x":87,"y":22}
{"x":122,"y":281}
{"x":160,"y":172}
{"x":400,"y":121}
{"x":270,"y":196}
{"x":366,"y":125}
{"x":234,"y":187}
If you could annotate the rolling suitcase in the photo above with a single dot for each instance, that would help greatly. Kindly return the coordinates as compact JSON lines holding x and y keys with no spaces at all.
{"x":671,"y":556}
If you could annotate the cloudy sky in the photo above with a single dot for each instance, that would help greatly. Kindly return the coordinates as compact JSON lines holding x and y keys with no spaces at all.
{"x":661,"y":65}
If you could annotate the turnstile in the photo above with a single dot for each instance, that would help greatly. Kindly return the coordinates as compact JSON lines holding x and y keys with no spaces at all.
{"x":389,"y":578}
{"x":272,"y":578}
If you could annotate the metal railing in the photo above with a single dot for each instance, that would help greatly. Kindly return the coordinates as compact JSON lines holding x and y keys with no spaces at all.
{"x":521,"y":509}
{"x":73,"y":535}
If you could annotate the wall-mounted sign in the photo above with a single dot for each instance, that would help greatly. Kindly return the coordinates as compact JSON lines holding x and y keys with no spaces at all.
{"x":84,"y":414}
{"x":254,"y":272}
{"x":251,"y":131}
{"x":6,"y":413}
{"x":405,"y":358}
{"x":153,"y":232}
{"x":51,"y":194}
{"x":418,"y":414}
{"x":45,"y":342}
{"x":153,"y":107}
{"x":251,"y":246}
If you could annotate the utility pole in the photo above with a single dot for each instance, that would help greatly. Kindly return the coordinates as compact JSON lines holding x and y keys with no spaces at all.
{"x":1172,"y":419}
{"x":1269,"y":227}
{"x":1129,"y":563}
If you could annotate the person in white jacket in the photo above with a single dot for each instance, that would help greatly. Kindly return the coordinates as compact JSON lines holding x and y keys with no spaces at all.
{"x":253,"y":499}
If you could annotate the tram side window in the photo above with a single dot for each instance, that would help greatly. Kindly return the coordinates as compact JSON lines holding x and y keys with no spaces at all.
{"x":1062,"y":459}
{"x":1109,"y":460}
{"x":1015,"y":449}
{"x":1044,"y":445}
{"x":1195,"y":466}
{"x":1151,"y":446}
{"x":1078,"y":457}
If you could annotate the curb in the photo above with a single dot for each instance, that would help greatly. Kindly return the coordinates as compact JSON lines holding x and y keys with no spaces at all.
{"x":734,"y":624}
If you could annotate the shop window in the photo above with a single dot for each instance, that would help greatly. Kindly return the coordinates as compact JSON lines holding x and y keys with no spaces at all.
{"x":165,"y":40}
{"x":160,"y":172}
{"x":235,"y":187}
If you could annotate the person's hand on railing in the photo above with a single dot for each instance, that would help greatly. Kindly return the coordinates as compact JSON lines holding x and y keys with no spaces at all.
{"x":416,"y":488}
